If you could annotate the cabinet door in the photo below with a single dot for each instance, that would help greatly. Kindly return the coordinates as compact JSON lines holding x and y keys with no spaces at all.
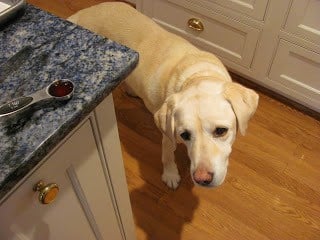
{"x":298,"y":69}
{"x":83,"y":208}
{"x":252,"y":8}
{"x":304,"y":19}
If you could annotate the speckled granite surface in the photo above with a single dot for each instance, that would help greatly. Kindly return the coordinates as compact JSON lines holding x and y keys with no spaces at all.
{"x":35,"y":49}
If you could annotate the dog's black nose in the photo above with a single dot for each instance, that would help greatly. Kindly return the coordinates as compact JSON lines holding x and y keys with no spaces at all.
{"x":203,"y":177}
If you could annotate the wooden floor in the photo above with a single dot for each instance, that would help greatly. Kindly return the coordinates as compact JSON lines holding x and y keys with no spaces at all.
{"x":272,"y":190}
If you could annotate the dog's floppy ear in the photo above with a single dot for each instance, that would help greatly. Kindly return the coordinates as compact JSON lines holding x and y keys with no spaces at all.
{"x":164,"y":118}
{"x":244,"y":102}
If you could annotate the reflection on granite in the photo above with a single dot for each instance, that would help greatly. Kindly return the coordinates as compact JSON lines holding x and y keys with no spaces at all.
{"x":37,"y":48}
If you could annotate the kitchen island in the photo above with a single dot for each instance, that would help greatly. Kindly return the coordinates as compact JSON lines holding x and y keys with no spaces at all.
{"x":37,"y":48}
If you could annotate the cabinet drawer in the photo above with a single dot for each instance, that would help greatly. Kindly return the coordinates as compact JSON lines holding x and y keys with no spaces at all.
{"x":223,"y":36}
{"x":252,"y":8}
{"x":304,"y":19}
{"x":299,"y":69}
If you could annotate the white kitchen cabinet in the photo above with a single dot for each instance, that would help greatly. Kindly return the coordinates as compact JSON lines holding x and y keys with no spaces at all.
{"x":91,"y":203}
{"x":253,"y":8}
{"x":259,"y":39}
{"x":297,"y":68}
{"x":304,"y":19}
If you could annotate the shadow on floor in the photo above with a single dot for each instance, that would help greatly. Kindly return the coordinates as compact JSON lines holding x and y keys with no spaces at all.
{"x":158,"y":211}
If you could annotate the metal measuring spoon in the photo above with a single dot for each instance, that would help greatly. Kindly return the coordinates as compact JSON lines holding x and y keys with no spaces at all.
{"x":60,"y":90}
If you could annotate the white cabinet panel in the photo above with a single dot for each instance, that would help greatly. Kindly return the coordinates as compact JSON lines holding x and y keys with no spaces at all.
{"x":299,"y":69}
{"x":83,"y":208}
{"x":90,"y":176}
{"x":252,"y":8}
{"x":304,"y":19}
{"x":223,"y":36}
{"x":111,"y":148}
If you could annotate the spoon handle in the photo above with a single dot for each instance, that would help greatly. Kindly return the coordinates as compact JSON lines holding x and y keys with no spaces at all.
{"x":15,"y":105}
{"x":22,"y":103}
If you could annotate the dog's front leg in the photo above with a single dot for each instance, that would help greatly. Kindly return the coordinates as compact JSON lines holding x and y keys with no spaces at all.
{"x":170,"y":171}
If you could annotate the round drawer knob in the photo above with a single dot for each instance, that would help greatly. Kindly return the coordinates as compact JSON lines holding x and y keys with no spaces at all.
{"x":47,"y":193}
{"x":195,"y":24}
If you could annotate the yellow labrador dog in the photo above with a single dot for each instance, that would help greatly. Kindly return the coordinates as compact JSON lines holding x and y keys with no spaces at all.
{"x":189,"y":91}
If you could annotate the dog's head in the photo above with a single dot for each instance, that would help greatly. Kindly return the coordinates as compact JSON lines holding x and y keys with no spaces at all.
{"x":205,"y":117}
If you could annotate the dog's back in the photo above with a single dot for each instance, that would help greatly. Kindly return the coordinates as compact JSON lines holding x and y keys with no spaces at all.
{"x":161,"y":52}
{"x":117,"y":20}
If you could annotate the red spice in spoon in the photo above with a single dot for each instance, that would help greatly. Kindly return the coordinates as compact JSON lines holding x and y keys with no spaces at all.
{"x":60,"y":88}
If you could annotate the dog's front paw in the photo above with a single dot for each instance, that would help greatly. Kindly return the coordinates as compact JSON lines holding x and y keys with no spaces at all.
{"x":171,"y":179}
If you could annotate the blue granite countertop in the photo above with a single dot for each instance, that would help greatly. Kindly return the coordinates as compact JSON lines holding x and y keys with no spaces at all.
{"x":35,"y":49}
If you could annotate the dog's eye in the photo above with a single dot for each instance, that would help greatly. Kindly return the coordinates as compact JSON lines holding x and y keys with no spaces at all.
{"x":185,"y":135}
{"x":220,"y":131}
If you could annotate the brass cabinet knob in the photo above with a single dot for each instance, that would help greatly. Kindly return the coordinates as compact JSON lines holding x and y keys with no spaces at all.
{"x":47,"y":193}
{"x":195,"y":24}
